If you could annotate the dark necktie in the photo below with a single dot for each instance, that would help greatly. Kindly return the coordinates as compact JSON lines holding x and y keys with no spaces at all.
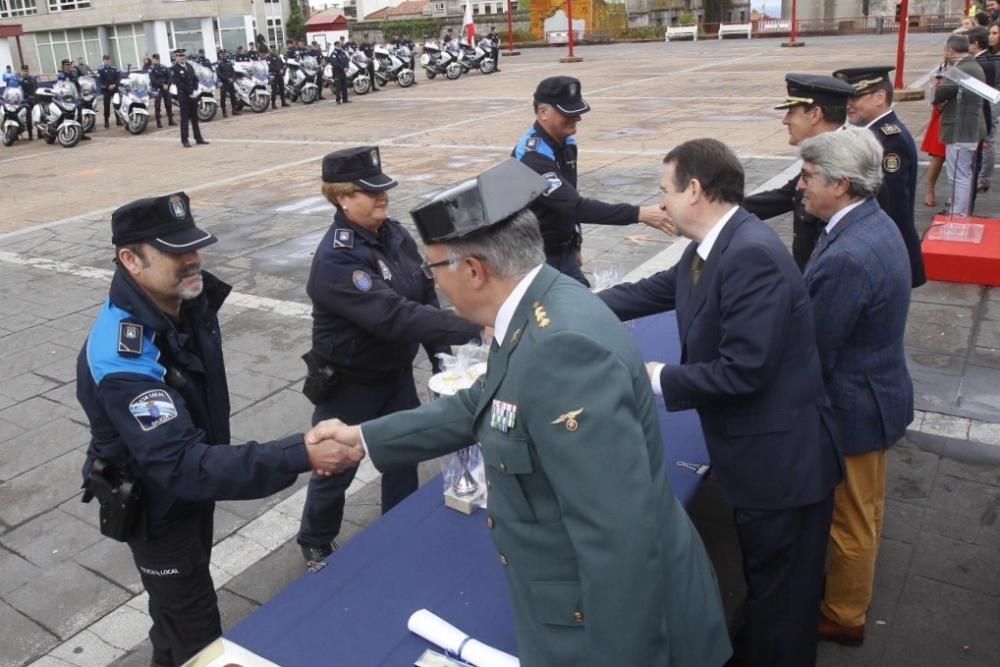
{"x":824,"y":239}
{"x":696,"y":266}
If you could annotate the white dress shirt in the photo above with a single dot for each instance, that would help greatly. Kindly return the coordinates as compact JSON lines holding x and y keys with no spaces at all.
{"x":839,"y":215}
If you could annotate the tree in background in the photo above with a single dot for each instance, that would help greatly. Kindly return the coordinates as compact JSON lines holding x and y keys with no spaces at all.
{"x":295,"y":26}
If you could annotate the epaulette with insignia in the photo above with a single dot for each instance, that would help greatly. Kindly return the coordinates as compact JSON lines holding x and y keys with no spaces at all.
{"x":541,"y":317}
{"x":343,"y":238}
{"x":130,"y":339}
{"x":532,"y":143}
{"x":889,"y":129}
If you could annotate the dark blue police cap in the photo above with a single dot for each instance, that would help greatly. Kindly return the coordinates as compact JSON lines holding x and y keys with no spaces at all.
{"x":163,"y":222}
{"x":156,"y":56}
{"x":489,"y":199}
{"x":564,"y":93}
{"x":361,"y":165}
{"x":865,"y":79}
{"x":180,"y":52}
{"x":815,"y":89}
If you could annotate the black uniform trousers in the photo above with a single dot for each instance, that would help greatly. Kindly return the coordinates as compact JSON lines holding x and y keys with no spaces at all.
{"x":371,"y":73}
{"x":340,"y":84}
{"x":784,"y":558}
{"x":182,"y":601}
{"x":228,"y":88}
{"x":278,"y":90}
{"x":107,"y":95}
{"x":164,"y":98}
{"x":566,"y":260}
{"x":319,"y":82}
{"x":189,"y":114}
{"x":354,"y":403}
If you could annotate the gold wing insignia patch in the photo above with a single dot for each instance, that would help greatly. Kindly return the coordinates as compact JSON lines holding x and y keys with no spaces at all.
{"x":569,"y":419}
{"x":541,"y":317}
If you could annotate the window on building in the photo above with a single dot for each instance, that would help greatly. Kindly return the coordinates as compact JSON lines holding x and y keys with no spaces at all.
{"x":487,"y":9}
{"x":127,"y":45}
{"x":54,"y":47}
{"x":186,"y":34}
{"x":475,"y":10}
{"x":275,"y":33}
{"x":439,"y":6}
{"x":231,"y":32}
{"x":11,"y":8}
{"x":67,"y":5}
{"x":501,"y":7}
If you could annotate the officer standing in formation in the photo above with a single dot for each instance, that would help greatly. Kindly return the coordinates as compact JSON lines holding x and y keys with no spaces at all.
{"x":239,"y":56}
{"x":152,"y":382}
{"x":815,"y":104}
{"x":494,"y":37}
{"x":368,"y":49}
{"x":372,"y":308}
{"x":871,"y":107}
{"x":201,"y":59}
{"x":182,"y":74}
{"x":317,"y":53}
{"x":276,"y":67}
{"x":227,"y":75}
{"x":251,"y":53}
{"x":29,"y":87}
{"x":108,"y":77}
{"x":340,"y":61}
{"x":291,"y":50}
{"x":549,"y":148}
{"x":70,"y":73}
{"x":160,"y":77}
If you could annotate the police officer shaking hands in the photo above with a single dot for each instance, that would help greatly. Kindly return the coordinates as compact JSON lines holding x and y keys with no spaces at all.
{"x":374,"y":304}
{"x":152,"y":382}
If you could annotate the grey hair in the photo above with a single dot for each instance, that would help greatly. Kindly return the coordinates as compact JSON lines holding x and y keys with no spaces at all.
{"x":958,"y":43}
{"x":852,"y":153}
{"x":512,"y":248}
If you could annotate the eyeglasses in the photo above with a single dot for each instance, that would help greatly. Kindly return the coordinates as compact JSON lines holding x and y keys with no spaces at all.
{"x":428,"y":268}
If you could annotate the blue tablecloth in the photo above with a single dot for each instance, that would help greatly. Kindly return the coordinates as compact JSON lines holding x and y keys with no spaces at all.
{"x":353,"y":613}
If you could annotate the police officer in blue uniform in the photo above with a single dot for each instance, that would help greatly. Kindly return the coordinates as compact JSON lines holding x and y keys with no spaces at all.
{"x":373,"y":306}
{"x":159,"y":76}
{"x":317,"y":53}
{"x":71,"y":74}
{"x":227,"y":75}
{"x":549,"y":148}
{"x":871,"y":107}
{"x":183,"y":76}
{"x":276,"y":69}
{"x":108,"y":77}
{"x":152,"y":382}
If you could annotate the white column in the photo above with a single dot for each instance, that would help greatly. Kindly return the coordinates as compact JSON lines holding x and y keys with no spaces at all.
{"x":208,"y":39}
{"x":158,"y":40}
{"x":6,"y":57}
{"x":251,"y":35}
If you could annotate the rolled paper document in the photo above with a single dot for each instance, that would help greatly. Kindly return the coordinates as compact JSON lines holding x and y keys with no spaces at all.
{"x":455,"y":642}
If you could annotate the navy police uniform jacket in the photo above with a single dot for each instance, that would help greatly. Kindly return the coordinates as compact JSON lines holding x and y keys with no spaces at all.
{"x":806,"y":228}
{"x":372,"y":304}
{"x":108,"y":76}
{"x":154,"y":390}
{"x":899,"y":186}
{"x":184,"y":78}
{"x":561,"y":210}
{"x":159,"y":75}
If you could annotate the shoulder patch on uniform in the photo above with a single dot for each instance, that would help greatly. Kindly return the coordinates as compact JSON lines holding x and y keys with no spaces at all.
{"x":532,"y":143}
{"x":343,"y":238}
{"x":152,"y":408}
{"x":889,"y":129}
{"x":130,"y":339}
{"x":892,"y":163}
{"x":384,"y":268}
{"x":554,"y":183}
{"x":361,"y":280}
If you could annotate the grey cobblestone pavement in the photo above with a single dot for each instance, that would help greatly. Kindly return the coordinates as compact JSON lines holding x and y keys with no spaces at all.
{"x":70,"y":597}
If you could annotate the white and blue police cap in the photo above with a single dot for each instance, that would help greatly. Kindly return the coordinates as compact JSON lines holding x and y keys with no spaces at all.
{"x":164,"y":222}
{"x":489,"y":199}
{"x":361,"y":165}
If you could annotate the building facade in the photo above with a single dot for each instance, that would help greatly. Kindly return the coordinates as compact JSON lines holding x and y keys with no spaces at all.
{"x":132,"y":30}
{"x":838,"y":9}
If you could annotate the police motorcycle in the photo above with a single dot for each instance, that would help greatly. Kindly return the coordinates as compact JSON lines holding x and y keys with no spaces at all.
{"x":131,"y":102}
{"x":393,"y":66}
{"x":300,"y":79}
{"x":251,"y":85}
{"x":88,"y":102}
{"x":357,"y":74}
{"x":437,"y":61}
{"x":54,"y":116}
{"x":208,"y":106}
{"x":482,"y":58}
{"x":14,"y":116}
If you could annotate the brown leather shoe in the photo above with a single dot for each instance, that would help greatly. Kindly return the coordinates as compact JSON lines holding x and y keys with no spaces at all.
{"x":842,"y":634}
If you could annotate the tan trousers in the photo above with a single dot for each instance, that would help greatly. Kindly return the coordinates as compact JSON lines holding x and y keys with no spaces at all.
{"x":858,"y":508}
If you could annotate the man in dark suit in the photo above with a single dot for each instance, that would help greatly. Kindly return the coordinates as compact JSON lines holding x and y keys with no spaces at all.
{"x":749,"y":366}
{"x":871,"y":107}
{"x":603,"y":564}
{"x":815,"y":104}
{"x":859,"y":282}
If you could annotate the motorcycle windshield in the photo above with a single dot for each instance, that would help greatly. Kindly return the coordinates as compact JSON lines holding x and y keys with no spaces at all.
{"x":310,"y":65}
{"x":206,"y":77}
{"x":360,"y":59}
{"x":431,"y":46}
{"x":65,"y":93}
{"x":140,"y":86}
{"x":403,"y":52}
{"x":485,"y":44}
{"x":259,"y":70}
{"x":13,"y":96}
{"x":88,"y":87}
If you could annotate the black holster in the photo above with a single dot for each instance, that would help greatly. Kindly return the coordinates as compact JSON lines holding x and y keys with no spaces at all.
{"x":320,"y":380}
{"x":119,"y":497}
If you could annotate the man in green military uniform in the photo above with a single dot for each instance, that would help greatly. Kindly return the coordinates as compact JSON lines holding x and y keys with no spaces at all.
{"x":603,"y":563}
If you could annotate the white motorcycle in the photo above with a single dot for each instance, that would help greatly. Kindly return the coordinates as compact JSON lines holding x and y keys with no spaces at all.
{"x":88,"y":102}
{"x":357,"y":74}
{"x":207,"y":104}
{"x":437,"y":61}
{"x":483,"y":58}
{"x":390,"y":66}
{"x":252,"y":88}
{"x":300,"y":79}
{"x":14,"y":114}
{"x":54,"y":116}
{"x":131,"y":102}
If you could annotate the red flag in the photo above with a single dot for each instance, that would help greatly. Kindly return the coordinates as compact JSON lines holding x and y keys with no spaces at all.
{"x":468,"y":27}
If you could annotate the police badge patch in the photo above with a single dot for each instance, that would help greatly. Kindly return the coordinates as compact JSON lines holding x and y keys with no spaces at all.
{"x":152,"y":408}
{"x":891,"y":163}
{"x":889,"y":129}
{"x":554,"y":183}
{"x":362,"y":280}
{"x":130,"y":339}
{"x":532,"y":143}
{"x":177,"y":207}
{"x":386,"y":273}
{"x":343,"y":238}
{"x":374,"y":157}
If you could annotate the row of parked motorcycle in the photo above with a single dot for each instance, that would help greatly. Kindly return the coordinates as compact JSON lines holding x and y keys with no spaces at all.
{"x":63,"y":114}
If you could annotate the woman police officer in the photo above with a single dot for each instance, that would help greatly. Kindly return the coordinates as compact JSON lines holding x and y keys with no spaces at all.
{"x":373,"y":306}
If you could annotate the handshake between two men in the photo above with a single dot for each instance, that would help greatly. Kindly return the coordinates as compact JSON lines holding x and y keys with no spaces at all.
{"x":333,"y":447}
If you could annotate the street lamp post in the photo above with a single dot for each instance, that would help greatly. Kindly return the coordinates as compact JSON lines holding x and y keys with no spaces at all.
{"x":795,"y":27}
{"x":570,"y":58}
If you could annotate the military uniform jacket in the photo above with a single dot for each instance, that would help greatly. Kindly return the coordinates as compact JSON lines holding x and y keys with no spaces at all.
{"x":155,"y":393}
{"x":603,"y":564}
{"x":372,"y":304}
{"x":806,"y":228}
{"x":561,"y":210}
{"x":108,"y":76}
{"x":184,"y":78}
{"x":899,"y":186}
{"x":859,"y":282}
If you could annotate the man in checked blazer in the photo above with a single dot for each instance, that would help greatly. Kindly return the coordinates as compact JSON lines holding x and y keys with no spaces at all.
{"x":749,"y":367}
{"x":859,"y":281}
